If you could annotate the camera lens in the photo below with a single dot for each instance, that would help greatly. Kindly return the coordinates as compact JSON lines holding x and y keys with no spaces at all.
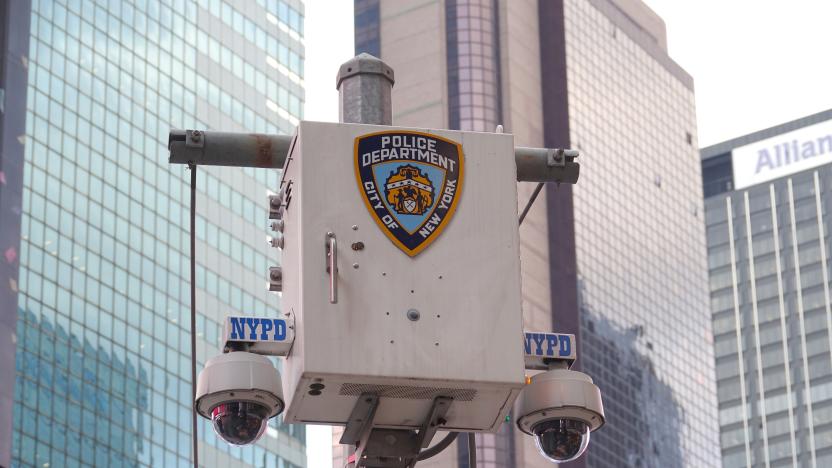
{"x":240,"y":422}
{"x":561,"y":440}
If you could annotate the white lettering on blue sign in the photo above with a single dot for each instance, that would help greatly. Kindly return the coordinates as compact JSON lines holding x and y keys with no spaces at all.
{"x":257,"y":329}
{"x":554,"y":345}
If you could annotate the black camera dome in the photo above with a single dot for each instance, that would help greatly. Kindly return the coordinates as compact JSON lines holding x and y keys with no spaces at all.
{"x":240,"y":422}
{"x":561,"y":440}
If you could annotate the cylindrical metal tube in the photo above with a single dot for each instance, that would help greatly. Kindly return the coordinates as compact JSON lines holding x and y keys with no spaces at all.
{"x":228,"y":149}
{"x":365,"y":87}
{"x":534,"y":165}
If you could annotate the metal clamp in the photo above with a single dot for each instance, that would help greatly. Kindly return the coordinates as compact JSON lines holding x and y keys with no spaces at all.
{"x":194,"y":139}
{"x":559,"y":157}
{"x":332,"y":266}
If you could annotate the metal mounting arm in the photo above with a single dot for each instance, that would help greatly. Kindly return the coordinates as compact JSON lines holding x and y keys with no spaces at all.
{"x":211,"y":148}
{"x":546,"y":165}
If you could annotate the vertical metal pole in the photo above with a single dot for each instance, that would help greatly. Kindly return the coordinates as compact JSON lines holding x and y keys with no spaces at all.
{"x":472,"y":450}
{"x":365,"y":87}
{"x":195,"y":434}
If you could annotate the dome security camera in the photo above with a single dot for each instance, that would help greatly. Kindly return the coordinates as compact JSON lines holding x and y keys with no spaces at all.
{"x":239,"y":392}
{"x":560,"y":408}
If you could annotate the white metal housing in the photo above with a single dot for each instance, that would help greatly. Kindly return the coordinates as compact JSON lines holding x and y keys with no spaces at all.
{"x":238,"y":376}
{"x":465,"y":288}
{"x":560,"y":394}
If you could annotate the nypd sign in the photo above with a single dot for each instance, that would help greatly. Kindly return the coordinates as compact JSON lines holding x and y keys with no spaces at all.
{"x":782,"y":155}
{"x":264,"y":335}
{"x":540,"y":348}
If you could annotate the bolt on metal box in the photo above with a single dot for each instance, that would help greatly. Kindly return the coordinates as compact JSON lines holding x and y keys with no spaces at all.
{"x":401,"y":269}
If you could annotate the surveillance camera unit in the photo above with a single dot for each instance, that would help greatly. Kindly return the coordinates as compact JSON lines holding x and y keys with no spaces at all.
{"x":239,"y":392}
{"x":401,"y":286}
{"x":560,"y":408}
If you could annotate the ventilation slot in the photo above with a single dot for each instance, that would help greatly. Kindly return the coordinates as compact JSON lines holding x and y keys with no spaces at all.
{"x":407,"y":392}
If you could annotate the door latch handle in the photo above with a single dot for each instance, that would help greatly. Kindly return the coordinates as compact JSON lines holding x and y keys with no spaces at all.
{"x":332,"y":266}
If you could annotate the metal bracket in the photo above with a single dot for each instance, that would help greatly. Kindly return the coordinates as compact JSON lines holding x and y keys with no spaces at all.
{"x":435,"y":419}
{"x":390,"y":448}
{"x":387,"y":448}
{"x":361,"y":418}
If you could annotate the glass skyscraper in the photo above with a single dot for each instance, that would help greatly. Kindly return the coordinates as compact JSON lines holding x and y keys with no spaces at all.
{"x":102,"y":339}
{"x":618,"y":259}
{"x":767,"y":208}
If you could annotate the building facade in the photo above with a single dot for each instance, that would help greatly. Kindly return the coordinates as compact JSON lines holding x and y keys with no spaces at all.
{"x":767,"y":207}
{"x":102,"y":326}
{"x":618,"y":259}
{"x":14,"y":45}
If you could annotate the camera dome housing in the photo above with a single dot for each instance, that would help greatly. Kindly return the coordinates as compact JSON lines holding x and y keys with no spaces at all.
{"x":560,"y":408}
{"x":239,"y":392}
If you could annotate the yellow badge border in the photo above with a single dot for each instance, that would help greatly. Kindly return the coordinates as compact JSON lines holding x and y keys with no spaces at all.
{"x":451,"y":210}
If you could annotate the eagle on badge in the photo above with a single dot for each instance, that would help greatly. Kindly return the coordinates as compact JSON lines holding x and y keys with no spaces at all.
{"x":409,"y":191}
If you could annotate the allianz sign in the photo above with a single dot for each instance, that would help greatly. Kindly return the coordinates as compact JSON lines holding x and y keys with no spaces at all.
{"x":782,"y":155}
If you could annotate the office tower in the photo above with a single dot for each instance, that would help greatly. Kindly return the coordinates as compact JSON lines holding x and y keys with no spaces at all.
{"x":14,"y":43}
{"x":103,"y":320}
{"x":618,"y":259}
{"x":768,"y":197}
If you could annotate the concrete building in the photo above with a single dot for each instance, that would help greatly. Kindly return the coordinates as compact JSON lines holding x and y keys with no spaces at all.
{"x":618,"y":259}
{"x":767,"y":201}
{"x":98,"y":268}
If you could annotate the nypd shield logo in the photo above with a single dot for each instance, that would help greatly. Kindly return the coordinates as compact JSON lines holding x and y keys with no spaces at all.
{"x":410,"y":182}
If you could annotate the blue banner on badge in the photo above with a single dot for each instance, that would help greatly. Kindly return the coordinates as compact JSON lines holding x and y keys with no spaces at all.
{"x":410,"y":182}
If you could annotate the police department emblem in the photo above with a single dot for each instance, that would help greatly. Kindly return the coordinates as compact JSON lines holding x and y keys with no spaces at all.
{"x":410,"y":182}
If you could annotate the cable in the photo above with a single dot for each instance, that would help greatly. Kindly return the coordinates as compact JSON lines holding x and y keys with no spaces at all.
{"x":193,"y":313}
{"x":530,"y":202}
{"x":472,"y":447}
{"x":440,"y":446}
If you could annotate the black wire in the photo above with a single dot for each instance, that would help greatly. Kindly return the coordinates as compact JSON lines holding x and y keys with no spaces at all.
{"x":440,"y":446}
{"x":530,"y":202}
{"x":472,"y":447}
{"x":193,"y":313}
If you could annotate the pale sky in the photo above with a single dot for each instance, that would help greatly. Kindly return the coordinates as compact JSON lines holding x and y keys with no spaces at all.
{"x":755,"y":64}
{"x":329,"y":43}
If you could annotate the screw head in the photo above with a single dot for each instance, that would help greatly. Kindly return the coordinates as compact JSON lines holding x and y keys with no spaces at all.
{"x":413,"y":315}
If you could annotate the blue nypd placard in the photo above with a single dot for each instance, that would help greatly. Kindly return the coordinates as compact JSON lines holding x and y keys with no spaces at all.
{"x":411,"y":183}
{"x":264,"y":335}
{"x":540,"y":347}
{"x":256,"y":329}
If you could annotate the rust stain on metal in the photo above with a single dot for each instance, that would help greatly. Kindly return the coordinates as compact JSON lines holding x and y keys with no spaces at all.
{"x":263,"y":151}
